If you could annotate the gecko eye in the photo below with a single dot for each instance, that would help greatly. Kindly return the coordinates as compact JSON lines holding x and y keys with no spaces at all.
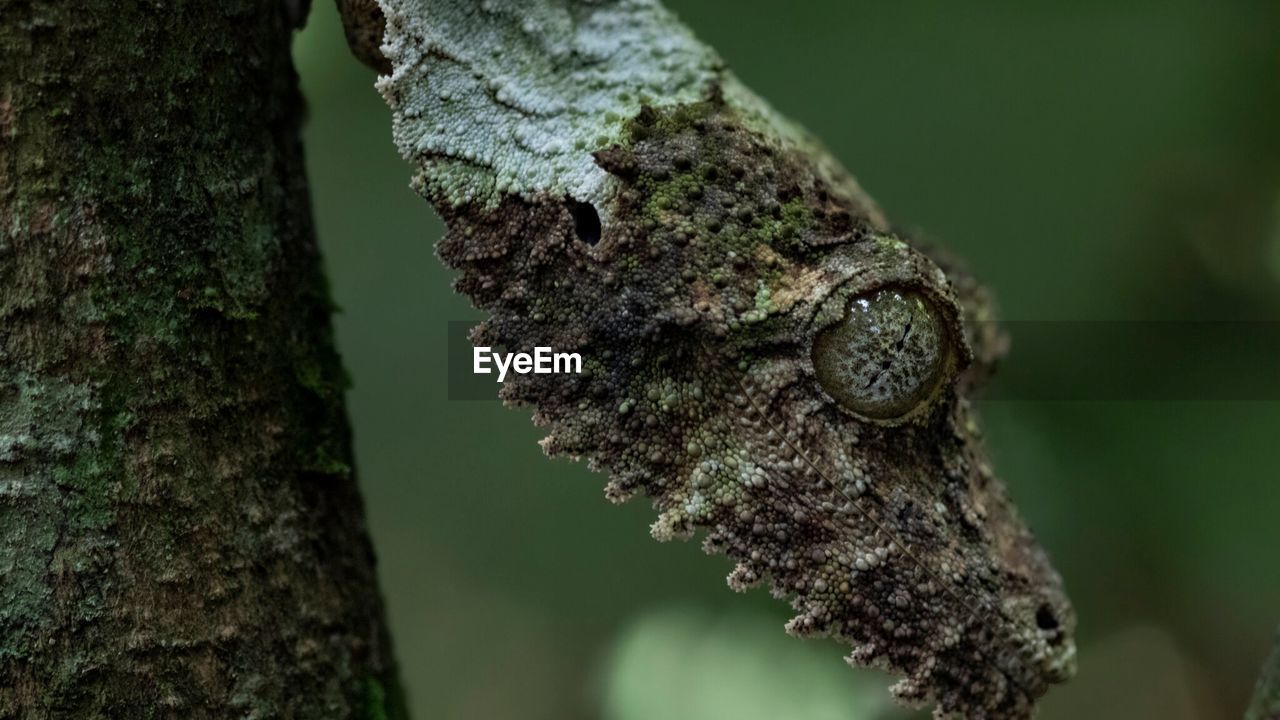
{"x":885,"y":356}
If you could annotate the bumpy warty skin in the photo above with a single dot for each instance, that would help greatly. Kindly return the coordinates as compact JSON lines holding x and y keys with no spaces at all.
{"x":729,"y":244}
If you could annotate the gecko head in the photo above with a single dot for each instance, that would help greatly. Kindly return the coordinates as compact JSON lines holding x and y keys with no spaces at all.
{"x":775,"y":367}
{"x":762,"y":355}
{"x":849,"y":473}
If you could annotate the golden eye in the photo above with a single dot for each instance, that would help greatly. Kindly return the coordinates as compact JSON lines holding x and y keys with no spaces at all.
{"x":886,"y":355}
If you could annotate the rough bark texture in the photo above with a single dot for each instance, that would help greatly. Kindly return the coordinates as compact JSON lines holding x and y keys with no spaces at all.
{"x":180,"y":529}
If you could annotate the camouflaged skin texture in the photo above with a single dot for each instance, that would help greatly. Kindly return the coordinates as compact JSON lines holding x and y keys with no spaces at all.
{"x":363,"y":25}
{"x":611,"y":189}
{"x":723,"y":256}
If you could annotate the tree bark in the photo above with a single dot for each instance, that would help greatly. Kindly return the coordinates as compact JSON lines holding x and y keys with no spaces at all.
{"x":181,"y":533}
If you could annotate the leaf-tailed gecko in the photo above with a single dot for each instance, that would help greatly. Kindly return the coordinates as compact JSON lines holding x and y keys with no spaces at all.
{"x":765,"y":356}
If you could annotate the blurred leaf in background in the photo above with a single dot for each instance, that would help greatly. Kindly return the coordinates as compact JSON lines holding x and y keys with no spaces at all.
{"x":685,"y":664}
{"x":1137,"y":672}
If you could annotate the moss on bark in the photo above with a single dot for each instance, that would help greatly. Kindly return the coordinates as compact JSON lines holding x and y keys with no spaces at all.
{"x":180,"y":529}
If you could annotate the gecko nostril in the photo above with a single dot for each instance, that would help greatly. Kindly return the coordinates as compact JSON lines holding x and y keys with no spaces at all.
{"x":1045,"y":619}
{"x":586,"y":221}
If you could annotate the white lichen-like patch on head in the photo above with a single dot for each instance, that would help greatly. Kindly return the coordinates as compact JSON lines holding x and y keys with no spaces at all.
{"x":494,"y":97}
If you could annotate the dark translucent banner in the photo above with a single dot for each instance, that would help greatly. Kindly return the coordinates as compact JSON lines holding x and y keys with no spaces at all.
{"x":1066,"y":361}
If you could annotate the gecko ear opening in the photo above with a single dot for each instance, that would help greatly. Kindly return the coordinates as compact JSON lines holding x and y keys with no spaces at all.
{"x":586,"y":221}
{"x":887,"y":356}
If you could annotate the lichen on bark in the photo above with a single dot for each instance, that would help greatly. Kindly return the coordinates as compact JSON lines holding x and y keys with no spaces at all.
{"x":182,"y":535}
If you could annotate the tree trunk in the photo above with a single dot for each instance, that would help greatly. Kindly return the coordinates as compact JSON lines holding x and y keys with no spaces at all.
{"x":180,"y":530}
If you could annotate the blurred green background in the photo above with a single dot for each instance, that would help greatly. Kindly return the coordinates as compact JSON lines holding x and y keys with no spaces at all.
{"x":1091,"y":160}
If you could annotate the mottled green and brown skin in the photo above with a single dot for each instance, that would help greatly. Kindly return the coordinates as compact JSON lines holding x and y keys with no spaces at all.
{"x":764,"y":357}
{"x":180,"y":531}
{"x":697,"y":312}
